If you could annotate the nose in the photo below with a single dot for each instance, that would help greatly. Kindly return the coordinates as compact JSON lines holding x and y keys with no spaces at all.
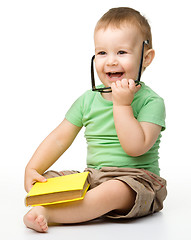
{"x":111,"y":60}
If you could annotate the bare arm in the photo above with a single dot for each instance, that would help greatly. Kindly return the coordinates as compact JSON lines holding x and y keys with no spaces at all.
{"x":135,"y":137}
{"x":49,"y":151}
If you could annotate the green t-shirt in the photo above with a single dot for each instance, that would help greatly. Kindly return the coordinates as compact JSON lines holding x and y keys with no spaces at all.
{"x":103,"y":147}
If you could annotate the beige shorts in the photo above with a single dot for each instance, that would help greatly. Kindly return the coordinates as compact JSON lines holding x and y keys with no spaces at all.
{"x":150,"y":188}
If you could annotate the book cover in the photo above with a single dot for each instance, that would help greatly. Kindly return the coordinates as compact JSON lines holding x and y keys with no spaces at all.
{"x":58,"y":190}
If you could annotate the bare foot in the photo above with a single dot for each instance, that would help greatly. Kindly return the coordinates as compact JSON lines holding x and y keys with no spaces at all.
{"x":35,"y":219}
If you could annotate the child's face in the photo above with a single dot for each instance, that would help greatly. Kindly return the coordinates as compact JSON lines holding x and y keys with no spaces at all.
{"x":117,"y":53}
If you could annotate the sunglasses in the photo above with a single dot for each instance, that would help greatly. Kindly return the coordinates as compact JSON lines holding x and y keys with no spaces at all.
{"x":108,"y":89}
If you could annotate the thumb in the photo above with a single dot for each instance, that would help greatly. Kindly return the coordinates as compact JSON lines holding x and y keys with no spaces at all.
{"x":40,"y":178}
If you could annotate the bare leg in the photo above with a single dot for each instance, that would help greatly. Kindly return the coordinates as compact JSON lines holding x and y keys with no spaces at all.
{"x":108,"y":196}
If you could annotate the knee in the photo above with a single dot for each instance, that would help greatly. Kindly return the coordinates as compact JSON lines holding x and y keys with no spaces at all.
{"x":122,"y":195}
{"x":117,"y":187}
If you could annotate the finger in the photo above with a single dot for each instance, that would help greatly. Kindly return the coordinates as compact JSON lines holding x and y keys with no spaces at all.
{"x":29,"y":187}
{"x":113,"y":86}
{"x":124,"y":83}
{"x":137,"y":88}
{"x":118,"y":83}
{"x":131,"y":84}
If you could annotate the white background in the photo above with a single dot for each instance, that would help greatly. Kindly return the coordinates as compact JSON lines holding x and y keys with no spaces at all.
{"x":45,"y":52}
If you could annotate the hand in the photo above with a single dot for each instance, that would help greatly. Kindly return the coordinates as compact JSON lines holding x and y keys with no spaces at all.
{"x":123,"y":92}
{"x":32,"y":176}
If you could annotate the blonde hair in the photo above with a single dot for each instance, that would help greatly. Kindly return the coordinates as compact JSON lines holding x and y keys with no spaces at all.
{"x":118,"y":17}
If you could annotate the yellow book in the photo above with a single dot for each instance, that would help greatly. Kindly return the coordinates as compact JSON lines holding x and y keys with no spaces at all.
{"x":58,"y":190}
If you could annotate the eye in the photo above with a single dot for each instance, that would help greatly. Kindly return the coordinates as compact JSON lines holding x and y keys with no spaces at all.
{"x":122,"y":52}
{"x":101,"y":53}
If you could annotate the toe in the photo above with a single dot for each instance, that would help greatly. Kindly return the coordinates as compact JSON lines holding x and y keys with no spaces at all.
{"x":45,"y":228}
{"x":42,"y":223}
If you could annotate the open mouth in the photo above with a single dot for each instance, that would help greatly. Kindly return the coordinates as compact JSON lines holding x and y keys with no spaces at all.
{"x":115,"y":75}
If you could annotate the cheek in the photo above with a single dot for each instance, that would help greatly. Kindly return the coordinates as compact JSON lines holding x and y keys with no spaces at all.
{"x":98,"y":70}
{"x":99,"y":67}
{"x":131,"y":68}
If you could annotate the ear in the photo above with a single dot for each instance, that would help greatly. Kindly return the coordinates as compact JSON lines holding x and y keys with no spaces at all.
{"x":148,"y":57}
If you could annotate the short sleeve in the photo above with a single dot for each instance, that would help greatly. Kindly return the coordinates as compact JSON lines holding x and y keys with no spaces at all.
{"x":74,"y":114}
{"x":153,"y":111}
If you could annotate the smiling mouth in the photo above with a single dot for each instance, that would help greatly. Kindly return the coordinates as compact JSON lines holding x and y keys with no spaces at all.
{"x":115,"y":75}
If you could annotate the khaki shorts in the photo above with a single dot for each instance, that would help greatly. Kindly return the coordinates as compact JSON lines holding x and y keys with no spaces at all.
{"x":150,"y":188}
